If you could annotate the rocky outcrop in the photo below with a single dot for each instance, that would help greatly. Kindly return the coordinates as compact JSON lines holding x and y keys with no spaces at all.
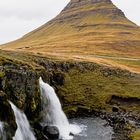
{"x":77,"y":9}
{"x":51,"y":132}
{"x":79,"y":3}
{"x":7,"y":116}
{"x":20,"y":84}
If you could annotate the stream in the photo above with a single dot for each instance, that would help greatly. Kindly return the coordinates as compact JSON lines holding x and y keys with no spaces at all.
{"x":92,"y":129}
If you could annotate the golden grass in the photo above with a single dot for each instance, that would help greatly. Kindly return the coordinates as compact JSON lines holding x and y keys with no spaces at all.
{"x":135,"y":135}
{"x":79,"y":39}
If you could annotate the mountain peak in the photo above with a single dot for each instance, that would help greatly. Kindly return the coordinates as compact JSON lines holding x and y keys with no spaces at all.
{"x":89,"y":1}
{"x":77,"y":9}
{"x":77,"y":3}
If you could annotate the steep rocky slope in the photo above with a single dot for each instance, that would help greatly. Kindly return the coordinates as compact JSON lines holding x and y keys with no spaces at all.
{"x":91,"y":30}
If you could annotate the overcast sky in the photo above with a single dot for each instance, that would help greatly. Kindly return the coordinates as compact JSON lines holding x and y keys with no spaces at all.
{"x":18,"y":17}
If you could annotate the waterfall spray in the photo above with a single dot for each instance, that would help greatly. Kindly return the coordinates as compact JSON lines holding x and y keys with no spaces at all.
{"x":2,"y":132}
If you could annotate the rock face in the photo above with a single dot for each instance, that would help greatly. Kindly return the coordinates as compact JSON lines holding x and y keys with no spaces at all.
{"x":7,"y":116}
{"x":19,"y":82}
{"x":78,"y":3}
{"x":77,"y":9}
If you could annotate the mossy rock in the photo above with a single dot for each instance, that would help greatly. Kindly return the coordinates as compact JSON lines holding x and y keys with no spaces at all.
{"x":2,"y":74}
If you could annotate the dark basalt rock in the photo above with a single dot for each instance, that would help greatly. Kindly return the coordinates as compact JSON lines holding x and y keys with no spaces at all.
{"x":20,"y":83}
{"x":38,"y":126}
{"x":58,"y":79}
{"x":115,"y":109}
{"x":71,"y":134}
{"x":51,"y":132}
{"x":7,"y":115}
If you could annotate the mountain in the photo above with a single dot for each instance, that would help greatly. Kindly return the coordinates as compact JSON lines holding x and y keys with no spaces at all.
{"x":87,"y":30}
{"x":65,"y":52}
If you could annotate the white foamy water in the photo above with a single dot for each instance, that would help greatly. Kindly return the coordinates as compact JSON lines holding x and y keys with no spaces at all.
{"x":96,"y":129}
{"x":23,"y":131}
{"x":2,"y":132}
{"x":54,"y":113}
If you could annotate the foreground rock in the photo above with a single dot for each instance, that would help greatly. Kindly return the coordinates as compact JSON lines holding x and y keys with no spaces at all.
{"x":123,"y":123}
{"x":115,"y":109}
{"x":51,"y":132}
{"x":7,"y":116}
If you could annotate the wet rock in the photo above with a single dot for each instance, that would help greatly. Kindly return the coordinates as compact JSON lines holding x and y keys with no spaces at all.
{"x":71,"y":134}
{"x":7,"y":115}
{"x":38,"y":126}
{"x":20,"y":83}
{"x":51,"y":132}
{"x":83,"y":111}
{"x":39,"y":135}
{"x":115,"y":109}
{"x":3,"y":96}
{"x":58,"y":78}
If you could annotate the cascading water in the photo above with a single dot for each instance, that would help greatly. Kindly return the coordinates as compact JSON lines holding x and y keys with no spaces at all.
{"x":54,"y":115}
{"x":2,"y":132}
{"x":1,"y":129}
{"x":23,"y":131}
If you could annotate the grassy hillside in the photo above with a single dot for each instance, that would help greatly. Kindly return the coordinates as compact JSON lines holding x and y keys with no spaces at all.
{"x":96,"y":87}
{"x":86,"y":31}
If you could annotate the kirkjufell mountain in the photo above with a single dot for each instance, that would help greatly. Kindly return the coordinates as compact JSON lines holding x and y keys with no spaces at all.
{"x":88,"y":30}
{"x":88,"y":57}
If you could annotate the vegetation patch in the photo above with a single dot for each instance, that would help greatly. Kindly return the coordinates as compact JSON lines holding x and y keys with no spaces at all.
{"x":135,"y":135}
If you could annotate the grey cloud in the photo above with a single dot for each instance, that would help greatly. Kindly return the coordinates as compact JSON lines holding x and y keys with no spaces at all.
{"x":131,"y":8}
{"x":28,"y":9}
{"x":17,"y":17}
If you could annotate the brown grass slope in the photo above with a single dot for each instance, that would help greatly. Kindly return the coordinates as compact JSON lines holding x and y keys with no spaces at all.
{"x":87,"y":30}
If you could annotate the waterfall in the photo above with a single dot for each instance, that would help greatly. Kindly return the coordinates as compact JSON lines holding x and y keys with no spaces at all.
{"x":1,"y":129}
{"x":2,"y":132}
{"x":23,"y":131}
{"x":54,"y":115}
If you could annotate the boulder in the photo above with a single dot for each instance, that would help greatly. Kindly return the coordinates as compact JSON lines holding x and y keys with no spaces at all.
{"x":115,"y":109}
{"x":51,"y":132}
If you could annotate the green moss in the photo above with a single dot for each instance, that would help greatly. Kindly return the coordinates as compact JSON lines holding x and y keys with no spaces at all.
{"x":135,"y":135}
{"x":71,"y":109}
{"x":2,"y":74}
{"x":93,"y":89}
{"x":33,"y":105}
